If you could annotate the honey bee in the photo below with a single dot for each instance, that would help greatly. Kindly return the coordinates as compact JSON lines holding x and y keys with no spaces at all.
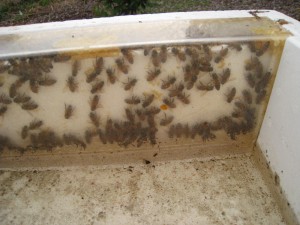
{"x":231,"y":95}
{"x":47,"y":81}
{"x":122,"y":66}
{"x":35,"y":124}
{"x":3,"y":67}
{"x":166,"y":121}
{"x":5,"y":99}
{"x":166,"y":84}
{"x":236,"y":46}
{"x":152,"y":74}
{"x":178,"y":130}
{"x":70,"y":139}
{"x":72,"y":84}
{"x":34,"y":86}
{"x":129,"y":115}
{"x":95,"y":118}
{"x":69,"y":110}
{"x":183,"y":98}
{"x":61,"y":58}
{"x":21,"y":98}
{"x":216,"y":80}
{"x":24,"y":132}
{"x":223,"y":52}
{"x":203,"y":87}
{"x":171,"y":131}
{"x":225,"y":76}
{"x":131,"y":83}
{"x":263,"y":83}
{"x":260,"y":96}
{"x":152,"y":110}
{"x":169,"y":102}
{"x":134,"y":100}
{"x":148,"y":100}
{"x":252,"y":63}
{"x":205,"y":68}
{"x":250,"y":80}
{"x":30,"y":105}
{"x":240,"y":105}
{"x":191,"y":83}
{"x":263,"y":49}
{"x":98,"y":67}
{"x":128,"y":55}
{"x":141,"y":114}
{"x":151,"y":121}
{"x":186,"y":130}
{"x":155,"y":58}
{"x":163,"y":54}
{"x":94,"y":102}
{"x":247,"y":96}
{"x":75,"y":68}
{"x":111,"y":75}
{"x":206,"y":133}
{"x":188,"y":51}
{"x":187,"y":72}
{"x":89,"y":134}
{"x":97,"y":86}
{"x":102,"y":137}
{"x":147,"y":50}
{"x":176,"y":90}
{"x":251,"y":46}
{"x":3,"y":109}
{"x":180,"y":55}
{"x":91,"y":76}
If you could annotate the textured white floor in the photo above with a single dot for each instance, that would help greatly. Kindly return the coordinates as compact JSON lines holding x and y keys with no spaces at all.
{"x":226,"y":191}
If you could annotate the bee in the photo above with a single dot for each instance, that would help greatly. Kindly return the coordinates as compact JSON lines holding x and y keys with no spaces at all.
{"x":176,"y":90}
{"x":151,"y":121}
{"x":231,"y":95}
{"x":191,"y":83}
{"x":89,"y":134}
{"x":187,"y":72}
{"x":206,"y":133}
{"x":203,"y":87}
{"x":141,"y":114}
{"x":30,"y":105}
{"x":148,"y":100}
{"x":250,"y":80}
{"x":188,"y":51}
{"x":102,"y":137}
{"x":35,"y":124}
{"x":163,"y":54}
{"x":169,"y":102}
{"x":263,"y":48}
{"x":131,"y":83}
{"x":152,"y":110}
{"x":72,"y":84}
{"x":5,"y":99}
{"x":122,"y":66}
{"x":252,"y":63}
{"x":205,"y":68}
{"x":166,"y":84}
{"x":97,"y":87}
{"x":34,"y":86}
{"x":128,"y":55}
{"x":171,"y":131}
{"x":3,"y":109}
{"x":47,"y":81}
{"x":21,"y":98}
{"x":178,"y":130}
{"x":247,"y":96}
{"x":186,"y":131}
{"x":166,"y":121}
{"x":111,"y":75}
{"x":240,"y":105}
{"x":216,"y":80}
{"x":69,"y":110}
{"x":75,"y":68}
{"x":3,"y":67}
{"x":147,"y":50}
{"x":236,"y":46}
{"x":183,"y":98}
{"x":70,"y":139}
{"x":24,"y":132}
{"x":223,"y":52}
{"x":129,"y":115}
{"x":260,"y":96}
{"x":134,"y":100}
{"x":61,"y":58}
{"x":180,"y":55}
{"x":91,"y":76}
{"x":155,"y":58}
{"x":95,"y":118}
{"x":98,"y":67}
{"x":263,"y":82}
{"x":236,"y":114}
{"x":152,"y":74}
{"x":225,"y":76}
{"x":94,"y":102}
{"x":251,"y":46}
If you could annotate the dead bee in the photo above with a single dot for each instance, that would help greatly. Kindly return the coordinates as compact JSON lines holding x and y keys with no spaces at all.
{"x":180,"y":55}
{"x":134,"y":100}
{"x":128,"y":55}
{"x":131,"y":82}
{"x":223,"y":52}
{"x":72,"y":84}
{"x":183,"y":98}
{"x":111,"y":75}
{"x":24,"y":132}
{"x":5,"y":99}
{"x":61,"y":58}
{"x":247,"y":96}
{"x":34,"y":86}
{"x":97,"y":86}
{"x":3,"y":109}
{"x":69,"y":109}
{"x":21,"y":98}
{"x":91,"y":76}
{"x":129,"y":115}
{"x":263,"y":48}
{"x":155,"y":58}
{"x":235,"y":46}
{"x":260,"y":96}
{"x":166,"y":84}
{"x":35,"y":124}
{"x":95,"y":118}
{"x":176,"y":90}
{"x":216,"y":80}
{"x":47,"y":81}
{"x":30,"y":105}
{"x":203,"y":87}
{"x":166,"y":121}
{"x":163,"y":54}
{"x":225,"y":76}
{"x":98,"y":67}
{"x":250,"y":80}
{"x":141,"y":114}
{"x":94,"y":102}
{"x":148,"y":100}
{"x":122,"y":66}
{"x":231,"y":95}
{"x":169,"y":102}
{"x":75,"y":68}
{"x":147,"y":50}
{"x":152,"y":74}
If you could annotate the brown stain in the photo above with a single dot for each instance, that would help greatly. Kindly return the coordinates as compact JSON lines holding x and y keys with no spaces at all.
{"x":93,"y":53}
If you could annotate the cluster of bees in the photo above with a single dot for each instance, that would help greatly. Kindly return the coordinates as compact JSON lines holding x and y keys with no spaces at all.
{"x":143,"y":116}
